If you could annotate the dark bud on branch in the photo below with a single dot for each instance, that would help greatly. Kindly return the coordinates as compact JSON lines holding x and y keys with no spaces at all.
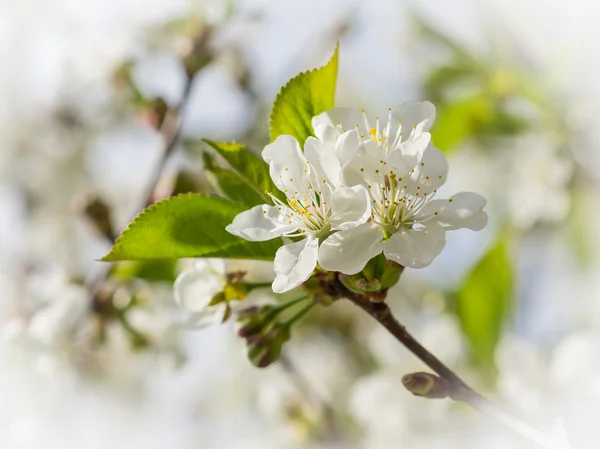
{"x":266,"y":348}
{"x":426,"y":385}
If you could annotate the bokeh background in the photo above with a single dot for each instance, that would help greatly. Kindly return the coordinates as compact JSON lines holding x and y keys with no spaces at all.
{"x":93,"y":358}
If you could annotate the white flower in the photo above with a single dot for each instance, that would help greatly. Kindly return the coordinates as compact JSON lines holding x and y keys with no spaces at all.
{"x":402,"y":172}
{"x":195,"y":288}
{"x":316,"y":205}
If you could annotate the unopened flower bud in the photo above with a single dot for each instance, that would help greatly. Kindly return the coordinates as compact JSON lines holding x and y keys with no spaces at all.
{"x":426,"y":385}
{"x":250,"y":320}
{"x":267,"y":349}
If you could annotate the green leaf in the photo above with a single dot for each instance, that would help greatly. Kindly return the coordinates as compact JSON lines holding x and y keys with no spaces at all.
{"x":230,"y":185}
{"x":461,"y":120}
{"x":189,"y":225}
{"x":304,"y":96}
{"x":484,"y":302}
{"x":160,"y":270}
{"x":249,"y":166}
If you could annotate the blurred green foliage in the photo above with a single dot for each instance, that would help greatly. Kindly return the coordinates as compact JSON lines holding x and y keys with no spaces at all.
{"x":484,"y":301}
{"x":474,"y":96}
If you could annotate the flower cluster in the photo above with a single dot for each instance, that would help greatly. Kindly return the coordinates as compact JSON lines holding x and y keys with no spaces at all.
{"x":360,"y":188}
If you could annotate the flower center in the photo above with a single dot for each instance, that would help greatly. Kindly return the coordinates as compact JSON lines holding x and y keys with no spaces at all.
{"x":309,"y":210}
{"x":397,"y":198}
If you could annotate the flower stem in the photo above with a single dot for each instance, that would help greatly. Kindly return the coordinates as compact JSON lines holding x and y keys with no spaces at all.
{"x":277,"y":310}
{"x":298,"y":315}
{"x":458,"y":389}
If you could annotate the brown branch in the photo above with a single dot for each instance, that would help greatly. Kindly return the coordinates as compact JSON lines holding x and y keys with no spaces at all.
{"x":458,"y":390}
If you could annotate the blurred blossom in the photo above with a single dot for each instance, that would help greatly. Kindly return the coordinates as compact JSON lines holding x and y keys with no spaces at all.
{"x":57,"y":308}
{"x":200,"y":283}
{"x":537,"y":183}
{"x":196,"y":287}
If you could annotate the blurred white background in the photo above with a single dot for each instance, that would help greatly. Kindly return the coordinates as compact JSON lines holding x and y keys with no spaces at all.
{"x":71,"y":130}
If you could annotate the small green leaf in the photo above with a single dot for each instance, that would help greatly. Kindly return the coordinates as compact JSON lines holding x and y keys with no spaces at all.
{"x":230,"y":185}
{"x":188,"y":225}
{"x":304,"y":96}
{"x":484,"y":302}
{"x":249,"y":166}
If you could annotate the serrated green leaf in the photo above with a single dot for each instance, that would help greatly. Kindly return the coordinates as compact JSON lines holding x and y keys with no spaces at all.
{"x":484,"y":301}
{"x":304,"y":96}
{"x":160,"y":270}
{"x":249,"y":166}
{"x":231,"y":186}
{"x":188,"y":225}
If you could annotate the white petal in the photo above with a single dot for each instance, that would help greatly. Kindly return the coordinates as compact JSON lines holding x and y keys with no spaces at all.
{"x":194,"y":289}
{"x":214,"y":265}
{"x":463,"y":210}
{"x":323,"y":159}
{"x":432,"y":170}
{"x":428,"y":164}
{"x":347,"y":145}
{"x":415,"y":248}
{"x":411,"y":151}
{"x":294,"y":264}
{"x":262,"y":222}
{"x":419,"y":115}
{"x":286,"y":164}
{"x":327,"y":134}
{"x":347,"y":117}
{"x":210,"y":316}
{"x":349,"y":251}
{"x":366,"y":168}
{"x":350,"y":207}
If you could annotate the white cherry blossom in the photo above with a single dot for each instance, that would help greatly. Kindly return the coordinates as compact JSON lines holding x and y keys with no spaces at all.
{"x":195,"y":288}
{"x":402,"y":171}
{"x":200,"y":282}
{"x":316,"y":205}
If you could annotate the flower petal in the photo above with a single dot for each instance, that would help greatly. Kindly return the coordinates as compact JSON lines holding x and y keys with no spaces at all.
{"x":463,"y":210}
{"x":286,"y":164}
{"x":349,"y":251}
{"x":328,"y":134}
{"x":415,"y":248}
{"x":347,"y":145}
{"x":262,"y":222}
{"x":432,"y":170}
{"x":210,"y":316}
{"x":348,"y":118}
{"x":350,"y":207}
{"x":365,"y":168}
{"x":323,"y":159}
{"x":415,"y":116}
{"x":294,"y":264}
{"x":194,"y":288}
{"x":213,"y":265}
{"x":429,"y":167}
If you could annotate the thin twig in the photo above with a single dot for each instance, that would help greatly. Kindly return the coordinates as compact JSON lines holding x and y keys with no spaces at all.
{"x":458,"y":389}
{"x":170,"y":131}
